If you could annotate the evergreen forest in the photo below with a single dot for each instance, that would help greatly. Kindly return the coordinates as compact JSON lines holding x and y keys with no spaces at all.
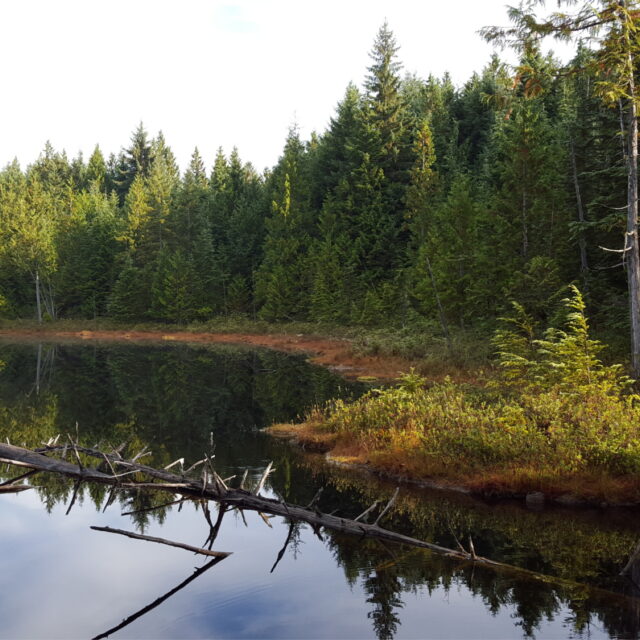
{"x":422,"y":204}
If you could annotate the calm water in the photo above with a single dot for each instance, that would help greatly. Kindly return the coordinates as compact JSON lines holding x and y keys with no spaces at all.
{"x":60,"y":579}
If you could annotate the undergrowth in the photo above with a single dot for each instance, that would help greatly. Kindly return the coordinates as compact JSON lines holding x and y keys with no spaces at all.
{"x":551,"y":410}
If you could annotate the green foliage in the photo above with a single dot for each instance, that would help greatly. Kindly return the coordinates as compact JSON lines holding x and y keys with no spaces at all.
{"x":563,"y":359}
{"x":422,"y":203}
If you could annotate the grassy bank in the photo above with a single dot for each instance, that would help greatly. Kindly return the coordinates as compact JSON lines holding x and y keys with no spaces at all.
{"x":551,"y":418}
{"x":586,"y":445}
{"x":420,"y":347}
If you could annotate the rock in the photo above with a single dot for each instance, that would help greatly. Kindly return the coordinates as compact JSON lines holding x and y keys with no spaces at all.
{"x":534,"y":499}
{"x":569,"y":500}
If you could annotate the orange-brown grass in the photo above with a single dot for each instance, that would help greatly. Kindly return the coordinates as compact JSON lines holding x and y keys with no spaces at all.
{"x":586,"y":444}
{"x":410,"y":462}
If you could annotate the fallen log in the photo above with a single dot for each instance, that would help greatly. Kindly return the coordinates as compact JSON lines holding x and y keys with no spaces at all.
{"x":201,"y":490}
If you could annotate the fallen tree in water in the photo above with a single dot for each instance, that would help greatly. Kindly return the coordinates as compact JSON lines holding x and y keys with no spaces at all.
{"x":208,"y":485}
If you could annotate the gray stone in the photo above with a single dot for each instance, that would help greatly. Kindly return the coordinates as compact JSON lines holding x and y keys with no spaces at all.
{"x":569,"y":500}
{"x":534,"y":499}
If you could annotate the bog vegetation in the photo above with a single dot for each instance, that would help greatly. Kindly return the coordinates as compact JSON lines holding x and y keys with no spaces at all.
{"x":553,"y":417}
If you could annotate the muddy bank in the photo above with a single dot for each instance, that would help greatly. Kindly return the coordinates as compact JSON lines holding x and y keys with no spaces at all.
{"x":315,"y":441}
{"x":334,"y":354}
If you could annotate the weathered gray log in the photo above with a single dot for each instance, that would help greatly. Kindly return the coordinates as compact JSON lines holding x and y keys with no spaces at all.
{"x":26,"y":458}
{"x":233,"y":497}
{"x":241,"y":499}
{"x":170,"y":543}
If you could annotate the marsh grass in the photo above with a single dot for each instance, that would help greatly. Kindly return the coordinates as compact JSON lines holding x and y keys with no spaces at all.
{"x":551,"y":417}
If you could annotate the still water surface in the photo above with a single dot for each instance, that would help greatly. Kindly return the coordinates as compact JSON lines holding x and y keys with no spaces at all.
{"x":60,"y":579}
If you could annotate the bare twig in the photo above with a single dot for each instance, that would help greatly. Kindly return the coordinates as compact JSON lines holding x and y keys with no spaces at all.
{"x":179,"y":461}
{"x":315,"y":499}
{"x":389,"y":505}
{"x":367,"y":511}
{"x":263,"y":478}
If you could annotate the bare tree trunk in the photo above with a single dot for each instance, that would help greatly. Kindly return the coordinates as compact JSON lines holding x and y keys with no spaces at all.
{"x":38,"y":367}
{"x":443,"y":320}
{"x":52,"y":306}
{"x":38,"y":306}
{"x":582,"y":243}
{"x":632,"y":248}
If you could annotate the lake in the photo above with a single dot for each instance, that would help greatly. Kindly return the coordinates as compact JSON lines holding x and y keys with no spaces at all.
{"x":60,"y":579}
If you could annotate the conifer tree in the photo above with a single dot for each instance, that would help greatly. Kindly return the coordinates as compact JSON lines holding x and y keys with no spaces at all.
{"x":613,"y":24}
{"x":96,"y":173}
{"x":385,"y":101}
{"x":86,"y":252}
{"x":137,"y":159}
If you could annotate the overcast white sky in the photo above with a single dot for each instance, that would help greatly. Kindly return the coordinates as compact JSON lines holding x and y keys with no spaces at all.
{"x":209,"y":72}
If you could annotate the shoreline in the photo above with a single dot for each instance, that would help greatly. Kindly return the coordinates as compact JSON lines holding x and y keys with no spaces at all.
{"x":337,"y":355}
{"x":314,"y":442}
{"x":333,"y":353}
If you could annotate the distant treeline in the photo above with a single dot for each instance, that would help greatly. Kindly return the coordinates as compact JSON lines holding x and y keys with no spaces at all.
{"x":421,"y":202}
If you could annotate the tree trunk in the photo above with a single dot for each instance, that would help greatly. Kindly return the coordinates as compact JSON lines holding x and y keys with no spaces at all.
{"x":584,"y":262}
{"x":38,"y":306}
{"x":632,"y":248}
{"x":443,"y":320}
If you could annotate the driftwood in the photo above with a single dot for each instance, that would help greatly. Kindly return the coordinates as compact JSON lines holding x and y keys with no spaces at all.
{"x":214,"y":490}
{"x":211,"y":487}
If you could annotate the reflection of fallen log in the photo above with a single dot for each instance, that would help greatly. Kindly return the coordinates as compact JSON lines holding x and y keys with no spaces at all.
{"x":133,"y":617}
{"x":14,"y":485}
{"x":14,"y":488}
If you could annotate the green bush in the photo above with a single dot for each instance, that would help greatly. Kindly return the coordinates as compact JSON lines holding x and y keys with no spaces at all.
{"x":565,"y":411}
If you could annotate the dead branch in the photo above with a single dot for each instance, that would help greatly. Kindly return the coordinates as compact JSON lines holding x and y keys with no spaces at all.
{"x":160,"y":506}
{"x":15,"y":488}
{"x":389,"y":505}
{"x":22,"y":476}
{"x":263,"y":478}
{"x":170,"y":543}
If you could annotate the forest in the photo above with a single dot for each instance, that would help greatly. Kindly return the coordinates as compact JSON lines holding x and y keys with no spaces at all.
{"x":422,"y":204}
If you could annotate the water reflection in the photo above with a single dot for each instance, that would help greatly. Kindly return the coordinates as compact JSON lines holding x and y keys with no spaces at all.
{"x":181,"y":400}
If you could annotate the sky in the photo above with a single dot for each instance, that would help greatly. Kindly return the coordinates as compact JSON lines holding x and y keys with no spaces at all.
{"x":209,"y":73}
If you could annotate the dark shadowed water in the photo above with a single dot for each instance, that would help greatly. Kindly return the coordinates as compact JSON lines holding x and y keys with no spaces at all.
{"x":60,"y":579}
